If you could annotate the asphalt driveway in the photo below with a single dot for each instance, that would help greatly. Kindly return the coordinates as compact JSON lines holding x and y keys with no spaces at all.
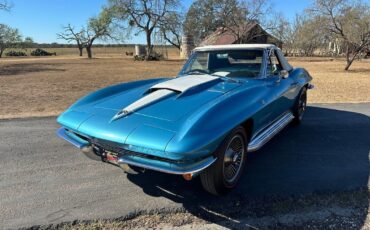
{"x":45,"y":180}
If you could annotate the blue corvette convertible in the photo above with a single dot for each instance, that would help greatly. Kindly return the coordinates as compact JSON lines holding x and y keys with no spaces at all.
{"x":226,"y":101}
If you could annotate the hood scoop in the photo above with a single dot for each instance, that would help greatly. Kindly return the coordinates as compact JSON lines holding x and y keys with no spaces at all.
{"x":183,"y":84}
{"x":166,"y":89}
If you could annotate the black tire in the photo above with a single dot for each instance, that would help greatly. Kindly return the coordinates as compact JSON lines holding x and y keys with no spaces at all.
{"x":216,"y":178}
{"x":300,"y":106}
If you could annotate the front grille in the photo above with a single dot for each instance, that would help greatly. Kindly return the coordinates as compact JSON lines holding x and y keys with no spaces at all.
{"x":117,"y":148}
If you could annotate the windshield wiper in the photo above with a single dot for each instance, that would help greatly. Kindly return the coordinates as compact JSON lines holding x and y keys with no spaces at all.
{"x":196,"y":71}
{"x":226,"y":78}
{"x":199,"y":71}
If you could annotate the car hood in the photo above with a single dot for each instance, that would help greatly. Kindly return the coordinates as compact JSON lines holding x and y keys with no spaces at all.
{"x":169,"y":100}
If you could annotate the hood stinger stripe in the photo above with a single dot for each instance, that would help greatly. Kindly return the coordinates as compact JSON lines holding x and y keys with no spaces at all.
{"x":165,"y":89}
{"x":142,"y":102}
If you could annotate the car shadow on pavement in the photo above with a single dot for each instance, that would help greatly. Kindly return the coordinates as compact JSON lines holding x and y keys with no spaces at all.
{"x":328,"y":152}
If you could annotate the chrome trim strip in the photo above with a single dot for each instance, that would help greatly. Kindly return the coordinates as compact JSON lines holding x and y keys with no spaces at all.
{"x":197,"y":168}
{"x":62,"y":133}
{"x":266,"y":135}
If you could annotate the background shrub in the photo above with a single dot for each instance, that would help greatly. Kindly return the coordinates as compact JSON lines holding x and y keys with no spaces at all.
{"x":13,"y":53}
{"x":41,"y":52}
{"x":153,"y":57}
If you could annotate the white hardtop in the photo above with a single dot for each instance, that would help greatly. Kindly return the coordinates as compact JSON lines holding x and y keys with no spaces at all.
{"x":234,"y":46}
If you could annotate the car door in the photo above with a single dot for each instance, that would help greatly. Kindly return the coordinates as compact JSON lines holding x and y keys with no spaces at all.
{"x":280,"y":88}
{"x":267,"y":100}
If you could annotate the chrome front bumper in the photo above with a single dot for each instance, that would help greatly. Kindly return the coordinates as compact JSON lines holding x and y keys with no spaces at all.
{"x":141,"y":162}
{"x":71,"y":138}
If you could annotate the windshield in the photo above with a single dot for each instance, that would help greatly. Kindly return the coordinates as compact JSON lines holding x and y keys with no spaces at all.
{"x":225,"y":63}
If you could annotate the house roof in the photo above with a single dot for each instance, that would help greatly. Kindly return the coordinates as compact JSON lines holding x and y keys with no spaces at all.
{"x":223,"y":36}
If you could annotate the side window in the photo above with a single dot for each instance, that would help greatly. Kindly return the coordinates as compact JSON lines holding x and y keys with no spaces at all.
{"x":273,"y":64}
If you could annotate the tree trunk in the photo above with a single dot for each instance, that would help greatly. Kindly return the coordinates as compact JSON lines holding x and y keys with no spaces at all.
{"x":1,"y":52}
{"x":80,"y":48}
{"x":347,"y":65}
{"x":89,"y":52}
{"x":349,"y":62}
{"x":148,"y":44}
{"x":349,"y":59}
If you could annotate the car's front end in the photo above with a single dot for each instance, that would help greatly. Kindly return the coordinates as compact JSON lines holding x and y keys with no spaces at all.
{"x":126,"y":155}
{"x":153,"y":132}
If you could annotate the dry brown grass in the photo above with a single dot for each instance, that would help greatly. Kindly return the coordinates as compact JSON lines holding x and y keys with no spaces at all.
{"x":333,"y":84}
{"x":47,"y":86}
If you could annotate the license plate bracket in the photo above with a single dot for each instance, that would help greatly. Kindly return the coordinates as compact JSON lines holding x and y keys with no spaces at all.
{"x":111,"y":157}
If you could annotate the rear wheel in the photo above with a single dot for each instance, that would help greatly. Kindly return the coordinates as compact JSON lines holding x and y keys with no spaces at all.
{"x":300,"y":106}
{"x":225,"y":173}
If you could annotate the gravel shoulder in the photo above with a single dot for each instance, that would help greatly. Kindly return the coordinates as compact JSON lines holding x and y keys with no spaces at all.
{"x":344,"y":210}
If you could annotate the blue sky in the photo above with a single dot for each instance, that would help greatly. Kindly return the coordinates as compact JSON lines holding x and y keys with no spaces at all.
{"x":42,"y":19}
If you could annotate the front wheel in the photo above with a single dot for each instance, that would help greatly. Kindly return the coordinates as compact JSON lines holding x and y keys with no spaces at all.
{"x":300,"y":106}
{"x":224,"y":174}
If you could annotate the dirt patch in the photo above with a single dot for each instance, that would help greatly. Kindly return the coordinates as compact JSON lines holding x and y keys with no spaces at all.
{"x":47,"y":86}
{"x":345,"y":210}
{"x":24,"y":68}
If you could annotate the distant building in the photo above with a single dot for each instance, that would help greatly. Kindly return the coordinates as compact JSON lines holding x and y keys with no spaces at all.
{"x":250,"y":33}
{"x":187,"y":45}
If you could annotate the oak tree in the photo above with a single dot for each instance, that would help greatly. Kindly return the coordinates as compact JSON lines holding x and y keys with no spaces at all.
{"x":144,"y":16}
{"x":9,"y":38}
{"x":71,"y":35}
{"x":347,"y":20}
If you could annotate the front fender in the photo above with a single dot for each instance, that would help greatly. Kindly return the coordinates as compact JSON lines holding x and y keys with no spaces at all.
{"x":114,"y":89}
{"x":206,"y":128}
{"x":81,"y":109}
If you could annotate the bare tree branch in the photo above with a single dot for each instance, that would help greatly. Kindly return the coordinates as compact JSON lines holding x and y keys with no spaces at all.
{"x":70,"y":35}
{"x":4,"y":5}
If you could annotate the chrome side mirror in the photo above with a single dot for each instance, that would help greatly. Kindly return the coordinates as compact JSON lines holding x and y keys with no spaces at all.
{"x":284,"y":74}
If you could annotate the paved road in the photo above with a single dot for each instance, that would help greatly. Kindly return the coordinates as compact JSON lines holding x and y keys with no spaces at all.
{"x":45,"y":180}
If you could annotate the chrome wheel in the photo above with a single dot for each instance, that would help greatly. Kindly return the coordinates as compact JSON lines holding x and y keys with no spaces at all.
{"x":233,"y":158}
{"x":225,"y":173}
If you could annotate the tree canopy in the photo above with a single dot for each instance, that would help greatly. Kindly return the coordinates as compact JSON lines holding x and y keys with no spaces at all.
{"x":206,"y":16}
{"x":9,"y":37}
